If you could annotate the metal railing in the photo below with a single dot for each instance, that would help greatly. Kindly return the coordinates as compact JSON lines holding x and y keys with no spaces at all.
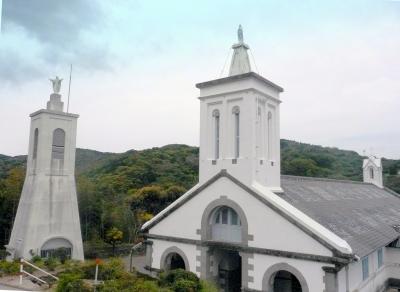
{"x":22,"y":272}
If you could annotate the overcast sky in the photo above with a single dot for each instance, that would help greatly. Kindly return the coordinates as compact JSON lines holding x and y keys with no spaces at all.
{"x":136,"y":63}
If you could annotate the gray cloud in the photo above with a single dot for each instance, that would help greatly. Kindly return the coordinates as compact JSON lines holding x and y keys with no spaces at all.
{"x":38,"y":36}
{"x":54,"y":22}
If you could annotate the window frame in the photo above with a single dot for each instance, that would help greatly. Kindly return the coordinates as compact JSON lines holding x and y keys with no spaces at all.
{"x":380,"y":257}
{"x":236,"y":131}
{"x":365,"y":268}
{"x":217,"y":132}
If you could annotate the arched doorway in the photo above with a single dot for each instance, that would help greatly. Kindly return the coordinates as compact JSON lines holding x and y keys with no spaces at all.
{"x":174,"y":261}
{"x":283,"y":277}
{"x":285,"y":281}
{"x":56,"y":247}
{"x":174,"y":258}
{"x":229,"y":270}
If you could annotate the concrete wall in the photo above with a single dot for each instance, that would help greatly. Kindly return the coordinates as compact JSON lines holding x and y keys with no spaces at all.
{"x":48,"y":207}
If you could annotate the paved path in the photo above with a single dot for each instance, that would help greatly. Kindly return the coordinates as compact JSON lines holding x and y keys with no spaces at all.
{"x":2,"y":287}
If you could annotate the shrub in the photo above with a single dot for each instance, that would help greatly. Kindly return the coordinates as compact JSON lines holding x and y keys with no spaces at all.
{"x":208,"y":286}
{"x":70,"y":282}
{"x":51,"y":263}
{"x":146,"y":285}
{"x":109,"y":270}
{"x":180,"y":281}
{"x":9,"y":268}
{"x":184,"y":285}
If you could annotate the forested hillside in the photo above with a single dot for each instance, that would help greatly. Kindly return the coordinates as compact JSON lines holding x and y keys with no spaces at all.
{"x":124,"y":189}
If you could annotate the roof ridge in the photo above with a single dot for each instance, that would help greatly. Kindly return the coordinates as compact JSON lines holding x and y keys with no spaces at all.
{"x":325,"y":179}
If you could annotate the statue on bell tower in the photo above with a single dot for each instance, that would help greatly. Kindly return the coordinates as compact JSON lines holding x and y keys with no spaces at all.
{"x":56,"y":84}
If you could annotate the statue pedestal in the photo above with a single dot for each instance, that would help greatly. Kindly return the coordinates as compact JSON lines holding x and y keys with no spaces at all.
{"x":55,"y":103}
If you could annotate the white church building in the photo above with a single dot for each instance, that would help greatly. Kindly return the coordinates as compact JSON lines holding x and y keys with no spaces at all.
{"x":249,"y":228}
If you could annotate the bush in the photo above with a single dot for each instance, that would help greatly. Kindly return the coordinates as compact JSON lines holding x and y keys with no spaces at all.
{"x":208,"y":286}
{"x":146,"y":285}
{"x":183,"y":285}
{"x":51,"y":263}
{"x":109,"y":270}
{"x":180,"y":281}
{"x":70,"y":282}
{"x":9,"y":268}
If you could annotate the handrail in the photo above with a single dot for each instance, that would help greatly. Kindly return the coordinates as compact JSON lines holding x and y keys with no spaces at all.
{"x":39,"y":269}
{"x":25,"y":272}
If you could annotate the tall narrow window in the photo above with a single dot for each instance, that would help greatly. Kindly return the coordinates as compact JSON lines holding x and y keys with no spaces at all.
{"x":35,"y":143}
{"x":270,"y":135}
{"x":380,"y":257}
{"x":236,"y":133}
{"x":259,"y":135}
{"x":365,"y":268}
{"x":58,"y":144}
{"x":216,"y":133}
{"x":371,"y":173}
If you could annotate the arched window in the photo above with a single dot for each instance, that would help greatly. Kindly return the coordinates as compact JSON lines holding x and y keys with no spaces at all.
{"x":226,"y":225}
{"x":58,"y":144}
{"x":35,"y":143}
{"x":259,"y":136}
{"x":216,"y":133}
{"x":270,"y":134}
{"x":371,"y":173}
{"x":236,"y":131}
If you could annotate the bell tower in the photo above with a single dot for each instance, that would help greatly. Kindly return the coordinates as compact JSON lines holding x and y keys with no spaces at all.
{"x":372,"y":171}
{"x":239,"y":124}
{"x":47,"y":217}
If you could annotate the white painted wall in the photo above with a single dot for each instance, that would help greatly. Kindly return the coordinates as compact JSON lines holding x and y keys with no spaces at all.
{"x":269,"y":229}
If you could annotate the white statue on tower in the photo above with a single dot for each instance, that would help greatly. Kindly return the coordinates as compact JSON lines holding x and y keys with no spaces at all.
{"x":56,"y":84}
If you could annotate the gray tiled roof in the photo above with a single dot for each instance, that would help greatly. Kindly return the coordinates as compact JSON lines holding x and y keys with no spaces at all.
{"x":360,"y":213}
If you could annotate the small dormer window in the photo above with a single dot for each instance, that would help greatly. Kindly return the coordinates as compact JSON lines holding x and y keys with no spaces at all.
{"x":371,"y":173}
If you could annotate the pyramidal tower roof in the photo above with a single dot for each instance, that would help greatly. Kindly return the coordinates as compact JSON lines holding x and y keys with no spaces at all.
{"x":240,"y":63}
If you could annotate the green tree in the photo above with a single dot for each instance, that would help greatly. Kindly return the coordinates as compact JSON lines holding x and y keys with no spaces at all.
{"x":114,"y":236}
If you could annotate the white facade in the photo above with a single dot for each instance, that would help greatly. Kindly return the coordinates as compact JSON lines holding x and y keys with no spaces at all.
{"x":233,"y":227}
{"x":47,"y":217}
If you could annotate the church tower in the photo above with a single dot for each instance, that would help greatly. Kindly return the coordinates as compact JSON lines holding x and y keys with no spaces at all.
{"x":47,"y":216}
{"x":239,"y":118}
{"x":372,"y":171}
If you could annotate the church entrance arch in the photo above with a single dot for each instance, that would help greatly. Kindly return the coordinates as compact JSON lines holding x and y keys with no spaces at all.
{"x":284,"y":278}
{"x":56,"y":247}
{"x":174,"y":258}
{"x":229,"y":277}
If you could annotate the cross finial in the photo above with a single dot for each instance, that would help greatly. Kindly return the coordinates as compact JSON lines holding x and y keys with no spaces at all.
{"x":240,"y":34}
